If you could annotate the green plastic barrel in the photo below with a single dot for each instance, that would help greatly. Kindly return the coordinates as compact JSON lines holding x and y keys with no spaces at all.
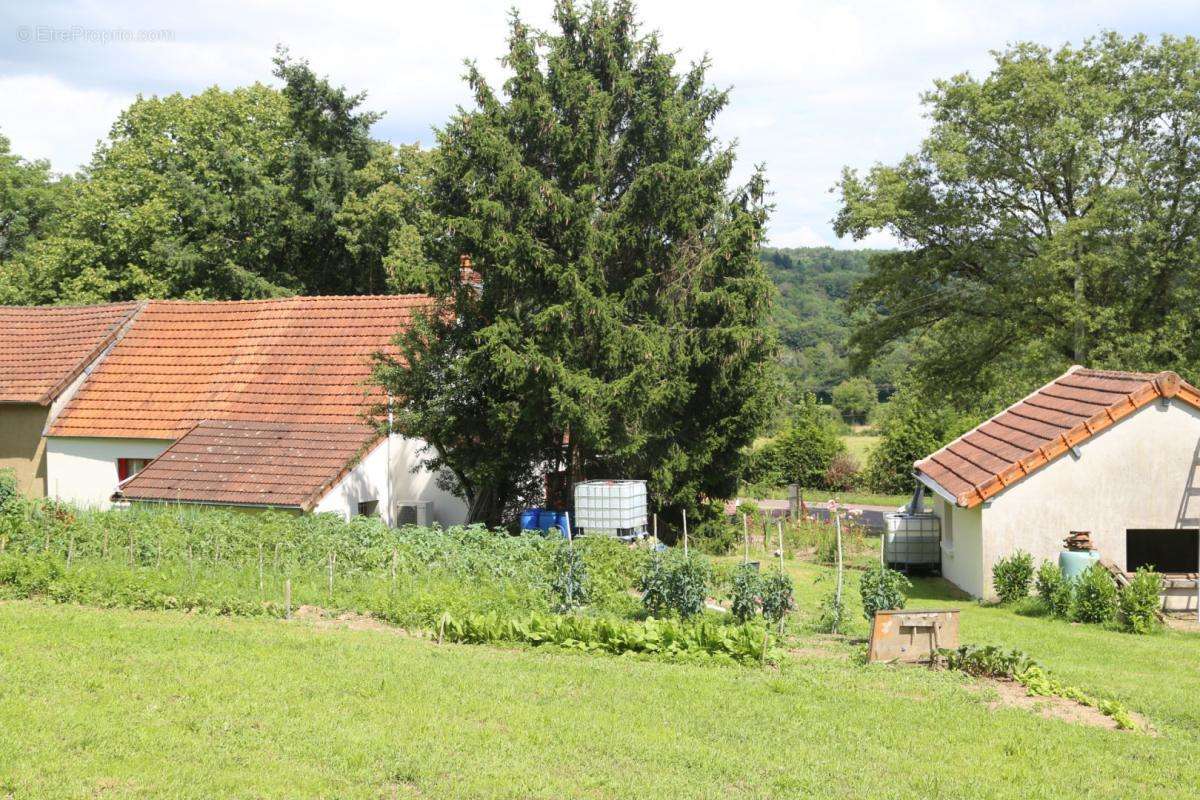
{"x":1074,"y":562}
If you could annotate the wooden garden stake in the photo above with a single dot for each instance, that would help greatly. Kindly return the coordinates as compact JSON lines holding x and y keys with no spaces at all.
{"x":395,"y":556}
{"x":260,"y":570}
{"x":287,"y":599}
{"x":685,"y":536}
{"x":745,"y":538}
{"x":779,"y":526}
{"x":654,"y":518}
{"x":331,"y":576}
{"x":3,"y":543}
{"x":838,"y":523}
{"x":70,"y":548}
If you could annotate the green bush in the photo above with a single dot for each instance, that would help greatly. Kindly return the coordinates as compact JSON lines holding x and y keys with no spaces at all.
{"x":913,"y":426}
{"x":672,"y":582}
{"x":714,"y":536}
{"x":777,"y":595}
{"x":882,"y":589}
{"x":1138,"y":603}
{"x":745,"y":592}
{"x":1095,"y":596}
{"x":1054,"y":589}
{"x":8,"y":488}
{"x":804,"y":451}
{"x":1012,"y":576}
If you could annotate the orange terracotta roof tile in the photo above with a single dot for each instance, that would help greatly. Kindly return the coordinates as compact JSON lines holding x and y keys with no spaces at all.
{"x":44,"y":348}
{"x":281,"y":465}
{"x":298,"y":360}
{"x":1049,"y":422}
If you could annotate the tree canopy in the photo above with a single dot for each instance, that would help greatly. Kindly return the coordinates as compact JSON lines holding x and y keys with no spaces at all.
{"x":1050,"y":217}
{"x":253,"y":192}
{"x":620,"y":330}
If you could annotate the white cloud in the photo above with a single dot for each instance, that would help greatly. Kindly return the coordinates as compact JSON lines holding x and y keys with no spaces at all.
{"x":816,"y":85}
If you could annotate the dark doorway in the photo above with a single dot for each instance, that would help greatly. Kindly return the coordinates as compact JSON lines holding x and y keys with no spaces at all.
{"x":1164,"y":550}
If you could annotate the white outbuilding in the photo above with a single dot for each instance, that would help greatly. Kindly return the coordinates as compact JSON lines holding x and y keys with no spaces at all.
{"x":1116,"y":454}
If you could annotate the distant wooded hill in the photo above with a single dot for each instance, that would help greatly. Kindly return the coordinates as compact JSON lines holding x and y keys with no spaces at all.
{"x":813,"y":284}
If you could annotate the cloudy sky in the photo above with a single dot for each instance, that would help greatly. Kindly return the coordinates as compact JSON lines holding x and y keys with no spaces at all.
{"x":816,"y":85}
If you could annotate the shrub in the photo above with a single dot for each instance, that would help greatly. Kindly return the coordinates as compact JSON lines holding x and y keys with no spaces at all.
{"x":882,"y":588}
{"x":714,"y":536}
{"x":855,"y":398}
{"x":777,"y":597}
{"x":1095,"y":596}
{"x":672,"y":582}
{"x":1054,"y":589}
{"x":802,"y":453}
{"x":1012,"y":576}
{"x":913,"y":426}
{"x":745,"y":592}
{"x":1138,"y":602}
{"x":8,"y":488}
{"x":842,"y":474}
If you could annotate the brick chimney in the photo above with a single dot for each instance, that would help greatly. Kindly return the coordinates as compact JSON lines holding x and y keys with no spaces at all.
{"x":468,"y":276}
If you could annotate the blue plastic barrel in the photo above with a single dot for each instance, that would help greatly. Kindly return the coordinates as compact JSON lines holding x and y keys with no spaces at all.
{"x":1074,"y":562}
{"x":546,"y":519}
{"x":563,"y":523}
{"x":529,"y":519}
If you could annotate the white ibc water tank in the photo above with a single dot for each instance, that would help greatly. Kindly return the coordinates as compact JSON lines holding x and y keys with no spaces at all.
{"x":616,"y":508}
{"x":912,"y":540}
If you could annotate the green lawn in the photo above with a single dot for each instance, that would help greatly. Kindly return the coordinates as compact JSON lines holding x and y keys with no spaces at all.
{"x":163,"y":704}
{"x":860,"y":446}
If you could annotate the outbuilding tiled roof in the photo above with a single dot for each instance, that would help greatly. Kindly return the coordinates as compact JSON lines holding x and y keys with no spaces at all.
{"x":276,"y":464}
{"x":1030,"y":434}
{"x":44,"y":348}
{"x":295,"y":360}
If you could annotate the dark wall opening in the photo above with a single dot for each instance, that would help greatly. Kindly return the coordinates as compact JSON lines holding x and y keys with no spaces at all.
{"x":1164,"y":550}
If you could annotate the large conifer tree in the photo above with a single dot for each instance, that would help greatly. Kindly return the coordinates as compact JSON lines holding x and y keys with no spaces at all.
{"x":621,"y":329}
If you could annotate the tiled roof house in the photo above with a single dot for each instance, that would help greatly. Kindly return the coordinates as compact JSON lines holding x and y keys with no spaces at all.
{"x":1116,"y":454}
{"x":260,"y":403}
{"x":44,"y":353}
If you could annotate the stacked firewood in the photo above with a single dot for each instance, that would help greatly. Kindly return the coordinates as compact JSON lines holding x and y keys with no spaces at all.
{"x":1079,"y":541}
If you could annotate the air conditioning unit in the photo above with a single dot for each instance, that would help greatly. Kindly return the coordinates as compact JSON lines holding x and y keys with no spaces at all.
{"x":414,"y":512}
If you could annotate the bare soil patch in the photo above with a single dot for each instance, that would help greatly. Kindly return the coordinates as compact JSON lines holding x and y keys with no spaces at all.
{"x":321,"y":618}
{"x":1010,"y":694}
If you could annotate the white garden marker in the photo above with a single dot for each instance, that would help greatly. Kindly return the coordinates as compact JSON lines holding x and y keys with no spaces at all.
{"x":685,"y":541}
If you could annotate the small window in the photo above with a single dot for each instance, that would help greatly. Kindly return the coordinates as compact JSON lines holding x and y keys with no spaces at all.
{"x":1163,"y":550}
{"x":128,"y":467}
{"x":368,"y":508}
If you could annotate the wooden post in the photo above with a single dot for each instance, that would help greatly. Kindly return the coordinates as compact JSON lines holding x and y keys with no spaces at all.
{"x":685,"y":535}
{"x":331,"y":557}
{"x":779,"y":525}
{"x":745,"y":538}
{"x":395,"y":557}
{"x":70,"y":547}
{"x":838,"y":522}
{"x":158,"y":553}
{"x":654,"y":518}
{"x":260,"y":570}
{"x":3,"y":543}
{"x":287,"y":599}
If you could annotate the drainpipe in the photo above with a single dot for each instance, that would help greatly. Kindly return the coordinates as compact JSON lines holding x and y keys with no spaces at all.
{"x":391,"y":510}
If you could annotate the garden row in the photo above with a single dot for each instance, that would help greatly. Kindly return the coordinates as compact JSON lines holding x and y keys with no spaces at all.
{"x":1092,"y":597}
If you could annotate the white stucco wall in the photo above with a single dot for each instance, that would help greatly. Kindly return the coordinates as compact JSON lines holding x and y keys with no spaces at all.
{"x":962,"y":545}
{"x":1135,"y":474}
{"x":83,"y":470}
{"x":421,"y":485}
{"x":368,"y":481}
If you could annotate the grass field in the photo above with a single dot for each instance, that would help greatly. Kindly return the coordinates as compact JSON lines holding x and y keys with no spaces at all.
{"x":860,"y":446}
{"x":164,"y":704}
